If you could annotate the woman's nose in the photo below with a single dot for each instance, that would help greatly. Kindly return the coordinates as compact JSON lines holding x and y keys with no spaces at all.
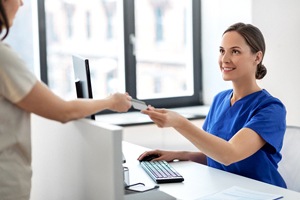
{"x":225,"y":58}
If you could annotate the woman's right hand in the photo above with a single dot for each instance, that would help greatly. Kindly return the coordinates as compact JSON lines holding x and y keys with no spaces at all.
{"x":164,"y":117}
{"x":161,"y":155}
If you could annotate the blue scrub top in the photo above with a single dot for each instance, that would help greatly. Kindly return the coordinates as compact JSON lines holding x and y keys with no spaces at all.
{"x":260,"y":112}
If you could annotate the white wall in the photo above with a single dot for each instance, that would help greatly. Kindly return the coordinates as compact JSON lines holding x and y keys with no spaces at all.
{"x":217,"y":15}
{"x":279,"y":21}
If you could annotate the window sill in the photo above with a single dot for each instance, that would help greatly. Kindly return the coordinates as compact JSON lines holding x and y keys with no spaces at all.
{"x":137,"y":118}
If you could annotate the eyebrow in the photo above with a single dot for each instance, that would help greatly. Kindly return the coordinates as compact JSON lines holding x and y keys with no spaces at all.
{"x":234,"y":47}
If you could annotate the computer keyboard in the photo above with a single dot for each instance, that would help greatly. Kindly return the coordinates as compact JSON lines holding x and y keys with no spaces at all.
{"x":161,"y":171}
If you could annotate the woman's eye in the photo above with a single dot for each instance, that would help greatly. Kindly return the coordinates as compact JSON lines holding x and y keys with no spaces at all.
{"x":235,"y":52}
{"x":221,"y":51}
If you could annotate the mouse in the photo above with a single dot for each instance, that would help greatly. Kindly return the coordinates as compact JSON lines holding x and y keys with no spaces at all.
{"x":149,"y":157}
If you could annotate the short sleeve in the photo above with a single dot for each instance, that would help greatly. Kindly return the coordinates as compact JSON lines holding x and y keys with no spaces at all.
{"x":16,"y":80}
{"x":269,"y":121}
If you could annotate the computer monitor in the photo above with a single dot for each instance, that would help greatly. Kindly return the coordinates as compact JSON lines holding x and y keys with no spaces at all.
{"x":82,"y":78}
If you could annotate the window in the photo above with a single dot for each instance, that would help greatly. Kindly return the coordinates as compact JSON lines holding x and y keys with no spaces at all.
{"x":149,"y":48}
{"x":88,"y":25}
{"x":163,"y":61}
{"x":88,"y":28}
{"x":158,"y":24}
{"x":25,"y":47}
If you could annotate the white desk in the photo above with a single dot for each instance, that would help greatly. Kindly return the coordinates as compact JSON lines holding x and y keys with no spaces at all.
{"x":200,"y":180}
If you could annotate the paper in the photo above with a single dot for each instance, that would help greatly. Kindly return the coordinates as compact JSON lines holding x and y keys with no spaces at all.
{"x":238,"y":193}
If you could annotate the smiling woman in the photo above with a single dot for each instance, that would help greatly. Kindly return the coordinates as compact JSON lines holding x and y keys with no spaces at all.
{"x":240,"y":58}
{"x":244,"y":129}
{"x":252,"y":45}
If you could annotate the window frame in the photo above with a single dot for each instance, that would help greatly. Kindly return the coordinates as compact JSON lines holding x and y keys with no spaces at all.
{"x":42,"y":40}
{"x":130,"y":59}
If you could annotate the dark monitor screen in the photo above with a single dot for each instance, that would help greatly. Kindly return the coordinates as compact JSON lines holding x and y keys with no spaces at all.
{"x":82,"y":78}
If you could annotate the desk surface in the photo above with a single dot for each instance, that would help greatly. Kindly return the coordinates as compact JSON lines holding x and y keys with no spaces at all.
{"x":200,"y":180}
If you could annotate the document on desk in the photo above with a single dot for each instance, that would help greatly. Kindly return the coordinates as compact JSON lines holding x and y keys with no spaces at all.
{"x":238,"y":193}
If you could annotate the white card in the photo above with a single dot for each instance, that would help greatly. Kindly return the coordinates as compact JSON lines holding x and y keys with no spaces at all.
{"x":139,"y":105}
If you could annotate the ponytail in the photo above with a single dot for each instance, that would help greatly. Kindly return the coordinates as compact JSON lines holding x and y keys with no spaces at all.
{"x":261,"y":71}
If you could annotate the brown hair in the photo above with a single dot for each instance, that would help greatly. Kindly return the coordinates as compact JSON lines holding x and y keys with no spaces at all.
{"x":3,"y":21}
{"x":255,"y":40}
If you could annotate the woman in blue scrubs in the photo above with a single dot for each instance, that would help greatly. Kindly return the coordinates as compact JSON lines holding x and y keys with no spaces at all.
{"x":243,"y":131}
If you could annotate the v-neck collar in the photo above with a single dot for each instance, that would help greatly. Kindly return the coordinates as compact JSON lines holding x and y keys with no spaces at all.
{"x":242,"y":99}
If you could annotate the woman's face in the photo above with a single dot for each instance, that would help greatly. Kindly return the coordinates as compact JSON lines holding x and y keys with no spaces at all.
{"x":11,"y":7}
{"x":237,"y":62}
